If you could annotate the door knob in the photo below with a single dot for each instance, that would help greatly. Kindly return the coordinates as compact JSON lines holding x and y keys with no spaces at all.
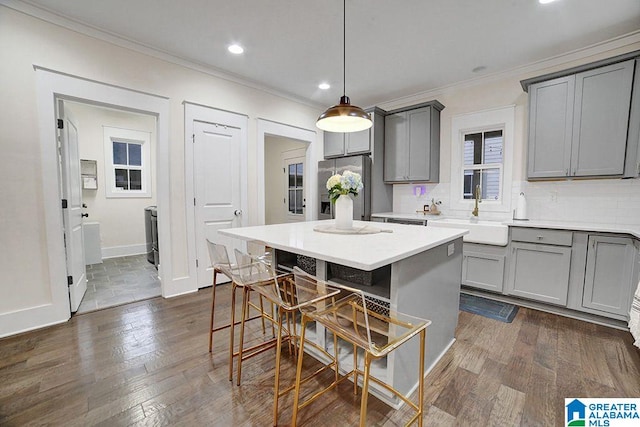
{"x":237,"y":212}
{"x":85,"y":215}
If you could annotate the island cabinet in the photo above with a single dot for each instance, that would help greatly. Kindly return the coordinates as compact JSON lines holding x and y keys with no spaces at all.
{"x":578,"y":123}
{"x":414,"y":270}
{"x":337,"y":144}
{"x":609,"y":275}
{"x":540,"y":264}
{"x":483,"y":266}
{"x":412,"y":144}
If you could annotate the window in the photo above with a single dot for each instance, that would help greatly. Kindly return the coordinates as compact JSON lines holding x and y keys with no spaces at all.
{"x":295,"y":187}
{"x":127,"y":163}
{"x":483,"y":164}
{"x":482,"y":155}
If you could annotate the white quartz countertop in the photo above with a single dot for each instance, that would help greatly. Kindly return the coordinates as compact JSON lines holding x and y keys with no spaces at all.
{"x":362,"y":251}
{"x":555,"y":224}
{"x":577,"y":226}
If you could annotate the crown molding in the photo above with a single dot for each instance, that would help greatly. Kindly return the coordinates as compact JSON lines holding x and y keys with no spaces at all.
{"x":542,"y":66}
{"x":80,"y":27}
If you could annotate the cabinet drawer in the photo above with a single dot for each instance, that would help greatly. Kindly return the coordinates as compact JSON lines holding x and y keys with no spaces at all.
{"x":542,"y":235}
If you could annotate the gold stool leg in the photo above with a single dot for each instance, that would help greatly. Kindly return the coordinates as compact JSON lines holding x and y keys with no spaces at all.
{"x":213,"y":304}
{"x":355,"y":369}
{"x":245,"y":308}
{"x":232,"y":328}
{"x":296,"y":392}
{"x":276,"y":391}
{"x":264,"y":329}
{"x":335,"y":355}
{"x":423,"y":334}
{"x":365,"y":390}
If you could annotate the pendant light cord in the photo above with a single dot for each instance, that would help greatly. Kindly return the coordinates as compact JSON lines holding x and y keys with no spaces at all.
{"x":344,"y":47}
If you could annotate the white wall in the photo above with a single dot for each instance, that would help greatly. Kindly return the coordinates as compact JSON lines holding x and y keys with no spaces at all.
{"x":604,"y":200}
{"x":274,"y":185}
{"x":26,"y":41}
{"x":121,"y":219}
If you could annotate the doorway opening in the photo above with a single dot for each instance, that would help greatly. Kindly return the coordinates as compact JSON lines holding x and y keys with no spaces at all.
{"x":303,"y":139}
{"x":117,"y":151}
{"x":53,"y":86}
{"x":285,"y":172}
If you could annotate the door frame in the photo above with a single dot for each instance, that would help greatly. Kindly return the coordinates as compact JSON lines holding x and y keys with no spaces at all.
{"x":52,"y":85}
{"x":267,"y":127}
{"x":198,"y":112}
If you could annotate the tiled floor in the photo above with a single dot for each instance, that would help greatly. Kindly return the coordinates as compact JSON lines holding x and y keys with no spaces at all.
{"x":118,"y":281}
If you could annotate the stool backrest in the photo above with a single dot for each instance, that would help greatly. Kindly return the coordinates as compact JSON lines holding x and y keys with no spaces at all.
{"x":218,"y":255}
{"x":373,"y":325}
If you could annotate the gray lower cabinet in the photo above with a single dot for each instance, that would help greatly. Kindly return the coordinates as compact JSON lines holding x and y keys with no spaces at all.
{"x":608,"y":283}
{"x":483,"y":266}
{"x":539,"y":272}
{"x":578,"y":123}
{"x":412,"y":145}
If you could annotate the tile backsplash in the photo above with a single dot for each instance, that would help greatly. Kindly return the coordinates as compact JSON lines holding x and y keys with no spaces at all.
{"x":609,"y":201}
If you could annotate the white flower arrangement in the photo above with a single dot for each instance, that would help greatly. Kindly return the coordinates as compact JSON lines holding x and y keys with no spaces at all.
{"x":347,"y":183}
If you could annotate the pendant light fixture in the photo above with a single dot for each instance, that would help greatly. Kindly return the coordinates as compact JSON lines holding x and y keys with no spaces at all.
{"x":344,"y":117}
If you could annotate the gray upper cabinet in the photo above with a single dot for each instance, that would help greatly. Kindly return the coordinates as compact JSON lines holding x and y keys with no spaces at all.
{"x":333,"y":144}
{"x":608,"y":283}
{"x":601,"y":120}
{"x":578,"y":123}
{"x":338,"y":144}
{"x":632,"y":163}
{"x":550,"y":127}
{"x":412,"y":144}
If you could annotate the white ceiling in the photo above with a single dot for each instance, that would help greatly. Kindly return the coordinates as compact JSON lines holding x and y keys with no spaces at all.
{"x":394,"y":48}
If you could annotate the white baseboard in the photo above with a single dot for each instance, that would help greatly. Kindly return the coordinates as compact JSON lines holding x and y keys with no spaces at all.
{"x":120,"y":251}
{"x":28,"y":319}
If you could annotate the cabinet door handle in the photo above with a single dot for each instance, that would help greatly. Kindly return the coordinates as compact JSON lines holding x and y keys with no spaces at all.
{"x":539,"y":237}
{"x":566,"y":172}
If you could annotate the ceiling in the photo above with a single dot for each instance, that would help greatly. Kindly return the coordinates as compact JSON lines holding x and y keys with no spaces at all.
{"x":394,"y":48}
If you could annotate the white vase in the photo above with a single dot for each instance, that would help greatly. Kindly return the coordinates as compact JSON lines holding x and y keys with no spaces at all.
{"x":344,"y":212}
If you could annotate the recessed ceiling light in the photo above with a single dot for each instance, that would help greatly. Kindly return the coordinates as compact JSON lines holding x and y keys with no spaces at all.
{"x":545,"y":1}
{"x":324,"y":86}
{"x":236,"y":49}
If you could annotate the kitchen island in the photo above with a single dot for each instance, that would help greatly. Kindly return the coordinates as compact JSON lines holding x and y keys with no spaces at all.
{"x":415,"y":270}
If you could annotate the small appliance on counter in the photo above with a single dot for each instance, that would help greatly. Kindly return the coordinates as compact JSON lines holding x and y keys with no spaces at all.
{"x":520,"y":213}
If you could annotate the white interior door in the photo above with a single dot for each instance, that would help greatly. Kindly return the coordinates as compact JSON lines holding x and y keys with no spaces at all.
{"x":294,"y":180}
{"x":72,"y":215}
{"x":216,"y":162}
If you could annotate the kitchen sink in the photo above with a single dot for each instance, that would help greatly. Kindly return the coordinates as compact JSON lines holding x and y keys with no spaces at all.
{"x":480,"y":231}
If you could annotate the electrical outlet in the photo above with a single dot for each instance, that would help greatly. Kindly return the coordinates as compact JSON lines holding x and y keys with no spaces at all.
{"x":450,"y":249}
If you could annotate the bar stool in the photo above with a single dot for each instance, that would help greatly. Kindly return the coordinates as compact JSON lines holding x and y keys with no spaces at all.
{"x":290,"y":295}
{"x":221,"y":265}
{"x":373,"y":328}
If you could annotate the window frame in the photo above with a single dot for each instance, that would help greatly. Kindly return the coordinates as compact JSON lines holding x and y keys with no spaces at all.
{"x":129,"y":136}
{"x":502,"y":118}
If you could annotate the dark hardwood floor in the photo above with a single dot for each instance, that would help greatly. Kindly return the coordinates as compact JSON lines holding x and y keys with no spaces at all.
{"x":147,"y":363}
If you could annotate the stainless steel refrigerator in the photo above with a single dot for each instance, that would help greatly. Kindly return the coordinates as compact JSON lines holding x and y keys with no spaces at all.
{"x":362,"y":202}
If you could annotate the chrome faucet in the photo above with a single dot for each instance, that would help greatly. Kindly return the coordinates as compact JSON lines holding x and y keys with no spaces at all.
{"x":477,"y":198}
